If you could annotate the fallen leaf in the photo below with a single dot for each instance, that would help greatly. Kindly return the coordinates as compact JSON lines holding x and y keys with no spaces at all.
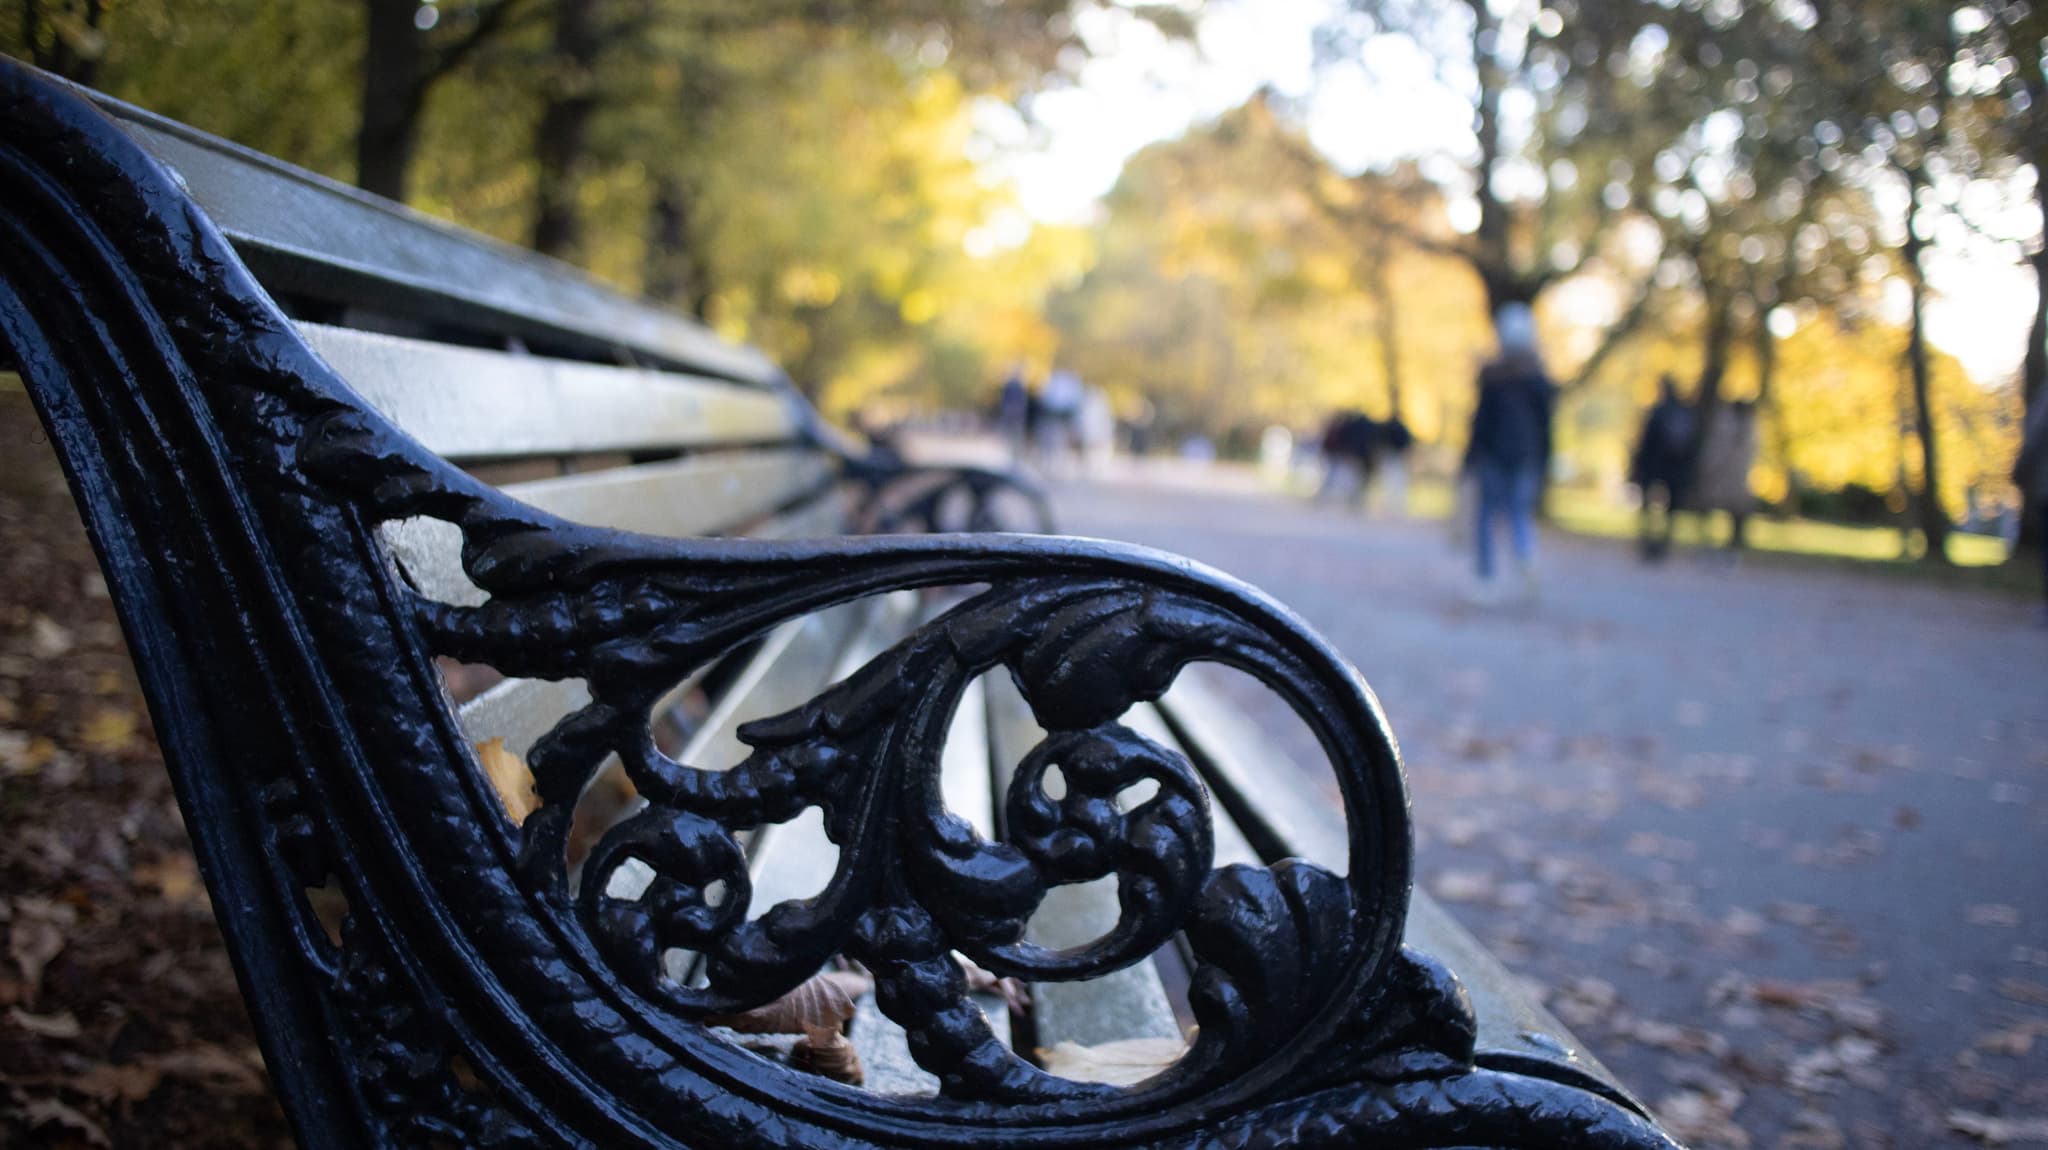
{"x":1705,"y":1117}
{"x":1584,"y":1002}
{"x":1463,"y":886}
{"x":1994,"y":1131}
{"x":40,"y":1112}
{"x":824,"y":999}
{"x":1123,"y":1063}
{"x":510,"y":776}
{"x":47,"y":638}
{"x":2014,"y":1041}
{"x":1813,"y":1130}
{"x":2024,"y":990}
{"x":215,"y":1067}
{"x":826,"y":1051}
{"x":109,"y":729}
{"x":108,"y":1082}
{"x":173,"y":876}
{"x":64,"y":1025}
{"x":1795,"y":913}
{"x":33,"y":942}
{"x":1992,"y":914}
{"x":1013,"y":993}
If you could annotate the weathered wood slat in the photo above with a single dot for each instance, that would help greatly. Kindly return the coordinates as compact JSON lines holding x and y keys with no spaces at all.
{"x":520,"y":711}
{"x":467,"y":403}
{"x":311,"y":237}
{"x":823,"y":517}
{"x":1129,"y":1003}
{"x":698,"y":495}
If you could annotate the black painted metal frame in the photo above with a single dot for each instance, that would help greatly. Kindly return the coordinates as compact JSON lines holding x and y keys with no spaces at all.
{"x":480,"y":994}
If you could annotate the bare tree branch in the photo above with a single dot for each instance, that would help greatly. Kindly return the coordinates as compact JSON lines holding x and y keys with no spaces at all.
{"x":1617,"y":333}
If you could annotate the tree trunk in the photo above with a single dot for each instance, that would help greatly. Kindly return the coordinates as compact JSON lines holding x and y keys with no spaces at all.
{"x":564,"y":133}
{"x":1933,"y":520}
{"x":675,"y":269}
{"x":2034,"y":370}
{"x":1386,"y":323}
{"x":75,"y":55}
{"x":394,"y":62}
{"x":1715,"y":349}
{"x":1767,"y":406}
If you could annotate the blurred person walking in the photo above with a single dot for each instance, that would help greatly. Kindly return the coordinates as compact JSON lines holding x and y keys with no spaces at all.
{"x":1343,"y":468}
{"x":2030,"y":474}
{"x":1391,"y":465}
{"x":1013,"y":414}
{"x":1660,"y":467}
{"x":1095,"y":430}
{"x":1509,"y":447}
{"x":1720,"y":474}
{"x":1059,"y":406}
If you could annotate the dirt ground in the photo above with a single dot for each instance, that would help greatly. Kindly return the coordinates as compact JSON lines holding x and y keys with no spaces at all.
{"x":122,"y":1023}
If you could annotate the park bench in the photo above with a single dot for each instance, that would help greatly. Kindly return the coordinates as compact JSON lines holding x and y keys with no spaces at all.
{"x":451,"y":575}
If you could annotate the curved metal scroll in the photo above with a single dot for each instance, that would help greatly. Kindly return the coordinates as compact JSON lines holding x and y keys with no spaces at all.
{"x":477,"y":995}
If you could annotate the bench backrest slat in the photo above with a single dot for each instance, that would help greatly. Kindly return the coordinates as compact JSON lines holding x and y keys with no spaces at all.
{"x":469,"y":403}
{"x":313,"y":240}
{"x":699,"y":495}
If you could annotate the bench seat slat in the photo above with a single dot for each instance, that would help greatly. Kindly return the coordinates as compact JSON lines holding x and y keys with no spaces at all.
{"x":468,"y":403}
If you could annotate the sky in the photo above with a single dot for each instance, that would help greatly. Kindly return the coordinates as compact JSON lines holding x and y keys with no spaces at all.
{"x":1139,"y":88}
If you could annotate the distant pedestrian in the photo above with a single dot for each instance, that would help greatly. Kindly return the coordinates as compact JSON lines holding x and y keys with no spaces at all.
{"x":1720,"y":475}
{"x":1013,"y":414}
{"x":1095,"y":430}
{"x":2030,"y":473}
{"x":1391,"y":466}
{"x":1059,"y":406}
{"x":1660,"y":466}
{"x":1509,"y":447}
{"x":1342,"y":470}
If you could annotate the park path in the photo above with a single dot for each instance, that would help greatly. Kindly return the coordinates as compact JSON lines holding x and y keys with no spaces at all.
{"x":1773,"y":838}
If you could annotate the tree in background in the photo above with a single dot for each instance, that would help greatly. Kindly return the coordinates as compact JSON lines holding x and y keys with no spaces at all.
{"x":409,"y":48}
{"x":1241,"y":280}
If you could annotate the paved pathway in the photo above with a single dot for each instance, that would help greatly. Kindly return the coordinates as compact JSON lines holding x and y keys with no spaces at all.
{"x":1773,"y":838}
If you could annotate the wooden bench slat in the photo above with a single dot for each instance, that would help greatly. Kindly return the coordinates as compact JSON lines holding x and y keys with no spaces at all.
{"x":698,"y":495}
{"x":309,"y":236}
{"x":1129,"y":1003}
{"x":826,"y":516}
{"x":467,"y":403}
{"x":520,"y":711}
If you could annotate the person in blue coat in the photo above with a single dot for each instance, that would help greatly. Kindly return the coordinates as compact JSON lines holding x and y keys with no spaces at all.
{"x":1509,"y":447}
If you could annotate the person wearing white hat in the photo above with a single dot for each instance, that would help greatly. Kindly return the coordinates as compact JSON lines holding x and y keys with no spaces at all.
{"x":1509,"y":447}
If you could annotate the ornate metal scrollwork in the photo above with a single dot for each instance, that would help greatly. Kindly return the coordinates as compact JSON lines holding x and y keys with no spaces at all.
{"x":235,"y":485}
